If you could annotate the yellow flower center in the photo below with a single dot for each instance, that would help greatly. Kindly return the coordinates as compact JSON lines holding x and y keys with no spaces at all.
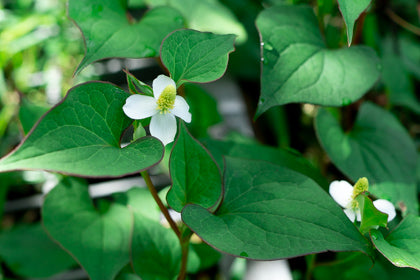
{"x":361,"y":186}
{"x":166,"y":100}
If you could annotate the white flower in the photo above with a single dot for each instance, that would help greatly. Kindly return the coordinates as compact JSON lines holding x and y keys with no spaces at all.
{"x":163,"y":108}
{"x":342,"y":193}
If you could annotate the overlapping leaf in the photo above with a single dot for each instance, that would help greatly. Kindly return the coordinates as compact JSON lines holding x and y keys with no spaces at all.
{"x":196,"y":56}
{"x":297,"y":67}
{"x":82,"y":136}
{"x":402,"y":245}
{"x":99,"y":241}
{"x":110,"y":32}
{"x":270,"y":212}
{"x":351,"y":11}
{"x":195,"y":175}
{"x":378,"y":148}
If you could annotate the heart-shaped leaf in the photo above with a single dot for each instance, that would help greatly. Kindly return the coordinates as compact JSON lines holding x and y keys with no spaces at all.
{"x":99,"y":241}
{"x":297,"y":67}
{"x":402,"y":245}
{"x":378,"y":148}
{"x":195,"y":56}
{"x":351,"y":10}
{"x":109,"y":30}
{"x":270,"y":212}
{"x":195,"y":175}
{"x":81,"y":136}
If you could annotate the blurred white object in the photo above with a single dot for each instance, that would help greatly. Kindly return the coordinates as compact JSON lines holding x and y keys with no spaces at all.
{"x":268,"y":270}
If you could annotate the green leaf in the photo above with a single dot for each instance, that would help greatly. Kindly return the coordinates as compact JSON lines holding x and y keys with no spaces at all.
{"x":109,"y":31}
{"x":378,"y":148}
{"x":402,"y":245}
{"x":372,"y":218}
{"x":137,"y":87}
{"x":270,"y":212}
{"x":204,"y":109}
{"x":396,"y":78}
{"x":195,"y":175}
{"x":297,"y":67}
{"x":29,"y":114}
{"x":351,"y":10}
{"x":196,"y":56}
{"x":81,"y":136}
{"x":286,"y":158}
{"x":154,"y":247}
{"x":211,"y":16}
{"x":99,"y":241}
{"x":21,"y":248}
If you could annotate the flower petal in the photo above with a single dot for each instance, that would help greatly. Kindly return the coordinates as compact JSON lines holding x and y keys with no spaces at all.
{"x":341,"y":192}
{"x":350,"y":214}
{"x":139,"y":106}
{"x":160,"y":83}
{"x":163,"y":127}
{"x":181,"y":109}
{"x":386,"y":207}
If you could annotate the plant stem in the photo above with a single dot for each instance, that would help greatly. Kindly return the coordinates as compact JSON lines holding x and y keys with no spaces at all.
{"x":159,"y":202}
{"x":185,"y":244}
{"x":310,"y":265}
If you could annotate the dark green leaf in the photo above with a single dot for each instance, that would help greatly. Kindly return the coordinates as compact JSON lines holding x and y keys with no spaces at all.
{"x":29,"y":114}
{"x":270,"y":212}
{"x":402,"y":245}
{"x":22,"y":247}
{"x":378,"y":148}
{"x":99,"y":241}
{"x":195,"y":175}
{"x":196,"y":56}
{"x":137,"y":87}
{"x":287,"y":158}
{"x":298,"y":68}
{"x":81,"y":136}
{"x":156,"y":253}
{"x":109,"y":30}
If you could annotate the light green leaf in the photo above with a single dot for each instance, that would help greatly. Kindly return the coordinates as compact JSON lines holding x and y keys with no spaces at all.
{"x":196,"y":56}
{"x":209,"y":16}
{"x":109,"y":31}
{"x":195,"y":175}
{"x":378,"y":148}
{"x":351,"y":10}
{"x":297,"y":67}
{"x":82,"y":135}
{"x":270,"y":212}
{"x":372,"y":218}
{"x":286,"y":158}
{"x":29,"y":114}
{"x":156,"y":253}
{"x":402,"y":245}
{"x":99,"y":241}
{"x":21,"y":248}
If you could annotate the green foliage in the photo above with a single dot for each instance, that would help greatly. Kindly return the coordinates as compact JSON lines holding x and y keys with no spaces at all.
{"x":296,"y":66}
{"x":379,"y":148}
{"x":21,"y":247}
{"x":195,"y":56}
{"x":195,"y":175}
{"x":273,"y":204}
{"x":82,"y":136}
{"x":351,"y":11}
{"x":401,"y":246}
{"x":372,"y":218}
{"x":108,"y":29}
{"x":99,"y":241}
